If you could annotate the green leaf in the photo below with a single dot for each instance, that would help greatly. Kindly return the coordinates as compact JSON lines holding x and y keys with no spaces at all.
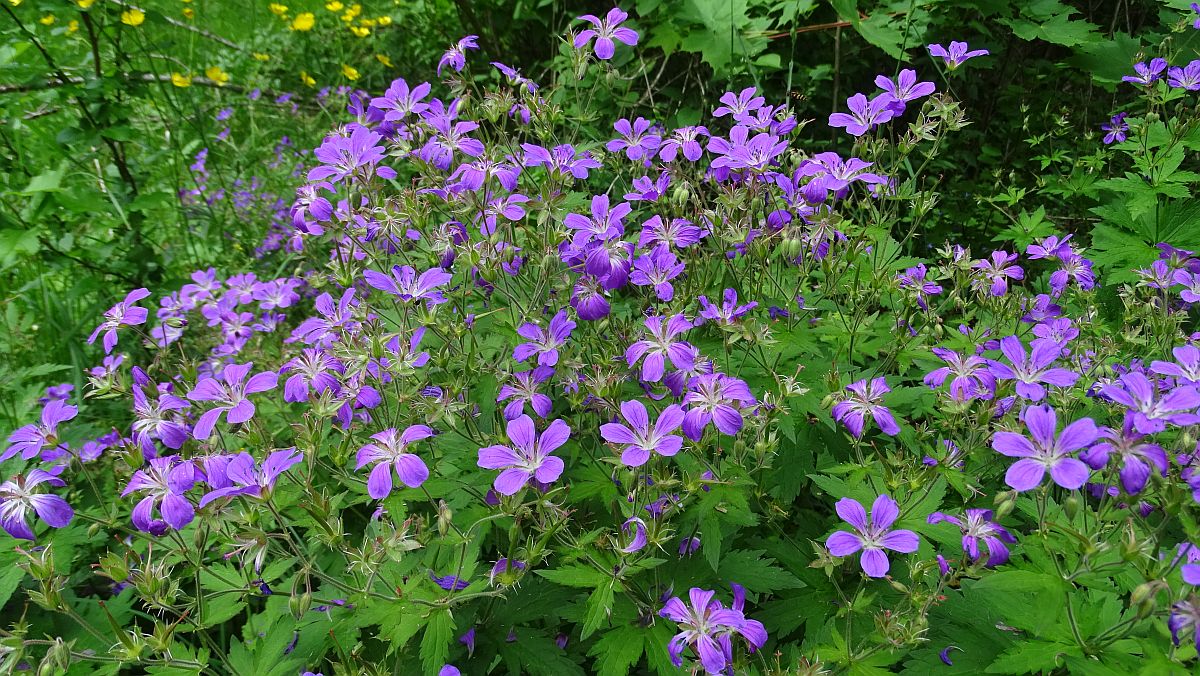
{"x":757,"y":572}
{"x":1032,"y":656}
{"x":599,"y":605}
{"x":435,"y":643}
{"x":47,"y":181}
{"x":576,"y":576}
{"x":1058,"y":29}
{"x":618,"y":650}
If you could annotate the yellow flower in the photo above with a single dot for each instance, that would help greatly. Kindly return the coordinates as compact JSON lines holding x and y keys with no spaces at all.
{"x":259,"y":56}
{"x":217,"y":75}
{"x":277,"y":9}
{"x":350,"y":72}
{"x":303,"y":22}
{"x":384,"y":20}
{"x":180,"y":80}
{"x":360,"y":31}
{"x":187,"y":2}
{"x":369,"y":23}
{"x":354,"y":10}
{"x":382,"y":58}
{"x":72,"y":26}
{"x":307,"y":79}
{"x":47,"y":20}
{"x":133,"y":17}
{"x":189,"y":13}
{"x":14,"y":3}
{"x":334,"y":6}
{"x":85,"y":4}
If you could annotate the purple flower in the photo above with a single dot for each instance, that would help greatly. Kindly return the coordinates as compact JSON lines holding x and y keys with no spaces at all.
{"x":1115,"y":129}
{"x":977,"y":525}
{"x":638,"y":139}
{"x":229,"y":391}
{"x":1032,"y":370}
{"x":1074,"y":268}
{"x":1184,"y":615}
{"x":685,"y":139}
{"x":972,"y":380}
{"x":529,"y":456}
{"x":564,"y":160}
{"x":1196,"y":8}
{"x":256,"y":482}
{"x":1147,"y":73}
{"x":707,"y":627}
{"x":525,"y":391}
{"x":1191,"y":283}
{"x":678,"y":233}
{"x":828,"y":172}
{"x":356,"y":155}
{"x":736,"y":104}
{"x":605,"y":223}
{"x":588,"y":299}
{"x":657,"y":269}
{"x":639,"y":540}
{"x":727,"y":313}
{"x":660,"y":346}
{"x":165,"y":480}
{"x":715,"y":398}
{"x":31,"y":439}
{"x":158,"y":418}
{"x":956,"y":54}
{"x":646,"y":189}
{"x":1186,"y":366}
{"x":904,"y":88}
{"x":864,"y":114}
{"x":996,"y":272}
{"x":741,"y":151}
{"x":915,"y":278}
{"x":544,"y":343}
{"x":1151,"y":413}
{"x":1045,"y":450}
{"x":449,"y":582}
{"x":391,"y":451}
{"x":405,"y":284}
{"x":124,"y":313}
{"x":872,"y":538}
{"x":399,"y":101}
{"x":605,"y":31}
{"x":19,"y":495}
{"x":865,"y":399}
{"x":639,"y":438}
{"x":1136,"y":457}
{"x":456,"y":56}
{"x":313,"y":371}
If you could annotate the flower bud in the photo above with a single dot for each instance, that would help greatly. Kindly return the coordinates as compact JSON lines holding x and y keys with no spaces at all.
{"x":1071,"y":506}
{"x":445,"y":518}
{"x":299,"y":604}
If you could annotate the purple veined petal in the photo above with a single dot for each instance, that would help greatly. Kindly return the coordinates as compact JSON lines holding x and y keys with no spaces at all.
{"x":261,"y":382}
{"x":636,"y":415}
{"x":883,"y":417}
{"x":1025,"y":474}
{"x":634,"y":456}
{"x":874,"y":562}
{"x":240,"y":412}
{"x":1060,"y":377}
{"x":674,"y":610}
{"x":176,"y":511}
{"x":694,"y":423}
{"x":369,"y":454}
{"x":415,"y":433}
{"x":1069,"y":473}
{"x":411,"y":470}
{"x":1191,"y":573}
{"x":711,"y":654}
{"x":542,"y":405}
{"x":208,"y":389}
{"x":842,"y":543}
{"x":1031,"y":391}
{"x":727,"y":419}
{"x":228,"y":491}
{"x":511,"y":480}
{"x":1134,"y":475}
{"x":669,"y":420}
{"x":379,"y":482}
{"x":617,"y":433}
{"x":884,"y":512}
{"x":1013,"y":445}
{"x":143,"y":513}
{"x":555,"y":436}
{"x":582,"y":38}
{"x":239,"y":470}
{"x":52,"y":509}
{"x":626,"y":35}
{"x":498,"y":457}
{"x":204,"y":426}
{"x":515,"y":409}
{"x":550,"y":469}
{"x":14,"y":524}
{"x":669,"y":445}
{"x":381,"y":281}
{"x":1077,"y":435}
{"x":522,"y":433}
{"x":524,"y":351}
{"x":903,"y":541}
{"x":652,"y":367}
{"x":852,"y":512}
{"x":1042,"y":423}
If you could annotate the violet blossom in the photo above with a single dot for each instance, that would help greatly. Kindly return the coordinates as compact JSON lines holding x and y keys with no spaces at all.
{"x":256,"y":482}
{"x":229,"y":390}
{"x":873,"y":537}
{"x":977,"y":526}
{"x":865,"y":399}
{"x":605,"y":31}
{"x":19,"y":495}
{"x":1046,"y":449}
{"x":390,"y":451}
{"x":544,"y":342}
{"x":528,"y":458}
{"x":639,"y":439}
{"x":124,"y":313}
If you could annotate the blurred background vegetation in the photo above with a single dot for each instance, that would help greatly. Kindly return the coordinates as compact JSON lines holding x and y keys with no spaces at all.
{"x":141,"y":142}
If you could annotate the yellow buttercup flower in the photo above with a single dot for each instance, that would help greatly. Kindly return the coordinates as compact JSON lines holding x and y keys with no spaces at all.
{"x":180,"y":80}
{"x":189,"y":13}
{"x":47,"y":20}
{"x":360,"y":31}
{"x":350,"y":72}
{"x":369,"y":23}
{"x":14,"y":3}
{"x":259,"y":56}
{"x":277,"y":9}
{"x":85,"y":4}
{"x":133,"y":17}
{"x":303,"y":22}
{"x":384,"y":20}
{"x":334,"y":6}
{"x":307,"y":79}
{"x":382,"y":58}
{"x":217,"y":75}
{"x":354,"y":10}
{"x":72,"y":26}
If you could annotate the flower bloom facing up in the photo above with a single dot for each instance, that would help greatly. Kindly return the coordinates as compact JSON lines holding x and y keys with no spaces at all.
{"x":391,"y":451}
{"x":1185,"y":615}
{"x":529,"y":456}
{"x":715,"y":398}
{"x":971,"y":378}
{"x":605,"y":31}
{"x":1147,"y":73}
{"x":915,"y":278}
{"x":405,"y":284}
{"x":864,"y":114}
{"x":1045,"y":449}
{"x":865,"y":399}
{"x":904,"y":88}
{"x":524,"y":390}
{"x":638,"y":139}
{"x":165,"y":480}
{"x":229,"y":391}
{"x":1152,"y":412}
{"x":873,"y":537}
{"x":124,"y":313}
{"x":1137,"y":457}
{"x":1033,"y":370}
{"x":727,"y":313}
{"x":977,"y":525}
{"x":707,"y":627}
{"x":996,"y":271}
{"x":660,"y":346}
{"x":255,"y":482}
{"x":31,"y":439}
{"x":19,"y":495}
{"x":544,"y":342}
{"x":1116,"y":129}
{"x":956,"y":53}
{"x":639,"y":439}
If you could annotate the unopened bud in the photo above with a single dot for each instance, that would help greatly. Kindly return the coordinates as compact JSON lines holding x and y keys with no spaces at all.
{"x":299,"y":604}
{"x":1071,"y":506}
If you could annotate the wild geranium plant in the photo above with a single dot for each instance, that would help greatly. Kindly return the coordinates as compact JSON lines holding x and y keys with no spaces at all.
{"x":533,"y":401}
